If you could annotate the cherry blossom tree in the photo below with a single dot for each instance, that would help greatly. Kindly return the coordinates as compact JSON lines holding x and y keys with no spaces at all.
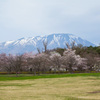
{"x":71,"y":60}
{"x":17,"y":63}
{"x":4,"y":63}
{"x":39,"y":63}
{"x":56,"y":60}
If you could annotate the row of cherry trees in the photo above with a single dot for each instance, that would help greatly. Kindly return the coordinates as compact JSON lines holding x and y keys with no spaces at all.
{"x":74,"y":58}
{"x":43,"y":62}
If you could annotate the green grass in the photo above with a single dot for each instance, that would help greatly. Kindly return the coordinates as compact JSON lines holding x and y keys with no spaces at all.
{"x":29,"y":76}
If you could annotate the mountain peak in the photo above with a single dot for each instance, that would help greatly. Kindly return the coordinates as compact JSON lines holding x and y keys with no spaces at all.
{"x":55,"y":40}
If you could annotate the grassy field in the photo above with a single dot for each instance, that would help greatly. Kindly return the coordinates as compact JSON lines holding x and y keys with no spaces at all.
{"x":50,"y":87}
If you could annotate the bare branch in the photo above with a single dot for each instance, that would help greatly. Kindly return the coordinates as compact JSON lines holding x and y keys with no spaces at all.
{"x":68,"y":46}
{"x":45,"y":43}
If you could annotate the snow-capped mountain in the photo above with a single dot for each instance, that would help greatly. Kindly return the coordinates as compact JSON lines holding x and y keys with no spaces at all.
{"x":31,"y":44}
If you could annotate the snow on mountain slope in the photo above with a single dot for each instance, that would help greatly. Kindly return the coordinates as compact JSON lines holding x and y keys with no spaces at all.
{"x":31,"y":44}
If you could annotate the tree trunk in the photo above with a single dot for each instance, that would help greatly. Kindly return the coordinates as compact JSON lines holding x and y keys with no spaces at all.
{"x":70,"y":69}
{"x":16,"y":74}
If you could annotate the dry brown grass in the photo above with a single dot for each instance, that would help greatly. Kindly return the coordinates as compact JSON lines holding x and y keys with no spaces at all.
{"x":69,"y":88}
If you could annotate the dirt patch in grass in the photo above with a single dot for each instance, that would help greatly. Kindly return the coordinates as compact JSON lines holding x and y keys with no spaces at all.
{"x":94,"y":92}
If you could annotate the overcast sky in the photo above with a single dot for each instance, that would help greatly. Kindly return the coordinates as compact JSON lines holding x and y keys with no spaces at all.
{"x":28,"y":18}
